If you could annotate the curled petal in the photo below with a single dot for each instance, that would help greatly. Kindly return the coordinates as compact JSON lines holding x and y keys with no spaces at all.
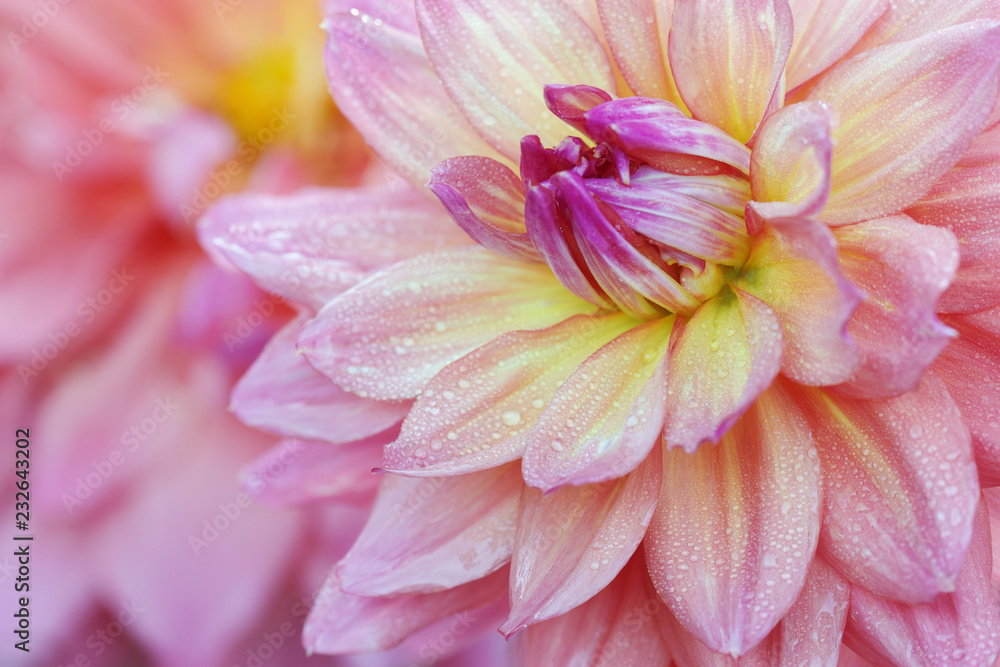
{"x":383,"y":82}
{"x":721,"y":359}
{"x":343,"y":623}
{"x":795,"y":272}
{"x":675,"y":219}
{"x":625,"y":273}
{"x":283,"y":394}
{"x":297,"y":472}
{"x":571,"y":102}
{"x":902,"y":268}
{"x":657,"y":132}
{"x":825,"y":31}
{"x":970,"y":368}
{"x":728,"y":58}
{"x":426,"y":535}
{"x":899,"y":488}
{"x":486,"y":199}
{"x":572,"y":542}
{"x":312,"y":246}
{"x":386,"y":337}
{"x":553,"y":238}
{"x":615,"y":627}
{"x":903,"y":116}
{"x":790,"y":163}
{"x":605,"y":418}
{"x":736,"y":526}
{"x":954,"y":629}
{"x":478,"y":411}
{"x":966,"y":202}
{"x":495,"y":61}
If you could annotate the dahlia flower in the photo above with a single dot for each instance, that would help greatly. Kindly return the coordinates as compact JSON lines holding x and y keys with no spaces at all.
{"x":712,"y":373}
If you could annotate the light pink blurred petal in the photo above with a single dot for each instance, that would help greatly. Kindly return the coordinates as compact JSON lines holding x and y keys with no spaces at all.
{"x":607,"y":416}
{"x":341,"y":623}
{"x":478,"y":411}
{"x":495,"y":61}
{"x":894,"y":522}
{"x":388,"y":336}
{"x":902,"y":268}
{"x":283,"y":394}
{"x":312,"y":246}
{"x":721,"y":359}
{"x":728,"y":58}
{"x":736,"y":526}
{"x":954,"y":629}
{"x":383,"y":82}
{"x":573,"y":541}
{"x":966,"y":202}
{"x":298,"y":472}
{"x":904,"y":115}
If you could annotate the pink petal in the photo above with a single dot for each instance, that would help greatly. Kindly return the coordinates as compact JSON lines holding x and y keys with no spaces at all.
{"x":616,"y":627}
{"x":283,"y":394}
{"x":970,"y":368}
{"x":552,"y":236}
{"x":426,"y":535}
{"x":298,"y":472}
{"x":658,"y":132}
{"x":790,"y":162}
{"x":495,"y":61}
{"x":478,"y":411}
{"x":389,"y":335}
{"x":904,"y":115}
{"x":966,"y":202}
{"x":954,"y":629}
{"x":735,"y":529}
{"x":721,"y":359}
{"x":486,"y":199}
{"x":383,"y":82}
{"x":312,"y":246}
{"x":674,"y":219}
{"x":911,"y":19}
{"x":902,"y":268}
{"x":899,"y":488}
{"x":572,"y":542}
{"x":809,"y":634}
{"x":728,"y":58}
{"x":630,"y":277}
{"x":605,"y":418}
{"x":637,"y":33}
{"x":795,"y":272}
{"x":571,"y":103}
{"x":343,"y":623}
{"x":825,"y":30}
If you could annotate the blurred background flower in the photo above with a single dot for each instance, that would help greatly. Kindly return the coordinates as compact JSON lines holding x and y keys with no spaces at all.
{"x":120,"y":123}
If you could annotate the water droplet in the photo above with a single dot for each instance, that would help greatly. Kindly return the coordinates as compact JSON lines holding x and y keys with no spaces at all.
{"x":511,"y":418}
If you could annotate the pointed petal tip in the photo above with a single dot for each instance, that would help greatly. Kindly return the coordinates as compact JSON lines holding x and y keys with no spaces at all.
{"x":511,"y":628}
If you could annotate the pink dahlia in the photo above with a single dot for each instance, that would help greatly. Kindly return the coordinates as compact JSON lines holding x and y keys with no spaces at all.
{"x":718,"y":379}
